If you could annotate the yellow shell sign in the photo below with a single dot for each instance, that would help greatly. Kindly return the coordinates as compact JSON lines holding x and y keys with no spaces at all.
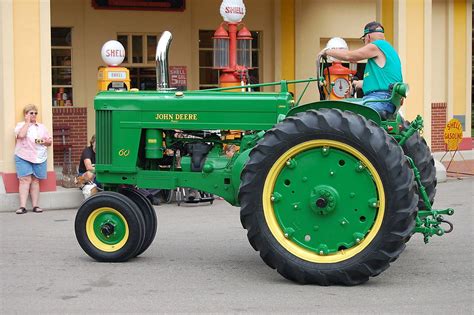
{"x":453,"y":134}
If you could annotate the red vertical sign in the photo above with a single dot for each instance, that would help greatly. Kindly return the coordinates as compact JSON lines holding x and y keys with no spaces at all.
{"x":178,"y":77}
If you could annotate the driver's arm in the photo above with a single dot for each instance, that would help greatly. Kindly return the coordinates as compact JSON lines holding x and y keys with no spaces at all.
{"x":366,"y":52}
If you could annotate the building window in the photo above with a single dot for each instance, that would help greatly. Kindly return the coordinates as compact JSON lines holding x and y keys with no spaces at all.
{"x":140,"y":52}
{"x":209,"y":77}
{"x":61,"y":66}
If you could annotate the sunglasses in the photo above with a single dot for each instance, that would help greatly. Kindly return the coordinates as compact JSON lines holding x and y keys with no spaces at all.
{"x":33,"y":113}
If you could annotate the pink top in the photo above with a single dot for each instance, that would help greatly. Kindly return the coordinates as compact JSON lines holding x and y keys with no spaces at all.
{"x":26,"y":148}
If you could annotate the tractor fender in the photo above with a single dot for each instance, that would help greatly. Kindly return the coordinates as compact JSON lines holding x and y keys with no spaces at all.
{"x":362,"y":110}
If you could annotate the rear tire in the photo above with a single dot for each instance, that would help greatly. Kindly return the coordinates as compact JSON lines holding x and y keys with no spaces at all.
{"x":294,"y":199}
{"x":109,"y":227}
{"x":417,"y":149}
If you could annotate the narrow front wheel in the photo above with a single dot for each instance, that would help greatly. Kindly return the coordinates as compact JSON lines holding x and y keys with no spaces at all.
{"x":110,"y":227}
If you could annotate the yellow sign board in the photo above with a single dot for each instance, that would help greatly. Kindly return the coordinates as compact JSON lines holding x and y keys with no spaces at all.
{"x":453,"y":134}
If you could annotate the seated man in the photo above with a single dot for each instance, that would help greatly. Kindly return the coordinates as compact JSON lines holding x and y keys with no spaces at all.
{"x":87,"y":162}
{"x":383,"y":67}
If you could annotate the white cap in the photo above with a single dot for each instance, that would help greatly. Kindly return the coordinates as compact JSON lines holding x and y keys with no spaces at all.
{"x":336,"y":43}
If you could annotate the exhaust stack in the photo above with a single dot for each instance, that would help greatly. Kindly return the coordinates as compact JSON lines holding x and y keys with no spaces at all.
{"x":162,"y":75}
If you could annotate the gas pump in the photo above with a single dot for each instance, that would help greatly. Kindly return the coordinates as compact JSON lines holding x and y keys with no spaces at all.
{"x":337,"y":78}
{"x":113,"y":77}
{"x":232,"y":53}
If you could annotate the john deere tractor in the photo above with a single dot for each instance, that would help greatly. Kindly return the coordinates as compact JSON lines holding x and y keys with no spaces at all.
{"x":328,"y":191}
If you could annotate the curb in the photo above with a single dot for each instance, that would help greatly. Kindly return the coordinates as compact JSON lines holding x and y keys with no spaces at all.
{"x":62,"y":198}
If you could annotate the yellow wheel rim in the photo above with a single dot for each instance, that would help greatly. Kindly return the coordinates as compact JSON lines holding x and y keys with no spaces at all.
{"x":107,"y":229}
{"x":276,"y":229}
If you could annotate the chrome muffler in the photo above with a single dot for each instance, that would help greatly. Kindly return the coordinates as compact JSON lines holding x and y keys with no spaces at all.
{"x":161,"y":58}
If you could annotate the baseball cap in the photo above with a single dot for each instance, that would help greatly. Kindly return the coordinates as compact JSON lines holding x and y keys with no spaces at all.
{"x":372,"y":27}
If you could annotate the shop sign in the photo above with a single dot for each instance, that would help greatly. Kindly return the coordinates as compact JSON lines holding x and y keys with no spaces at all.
{"x":178,"y":77}
{"x":453,"y":134}
{"x":113,"y":53}
{"x":232,"y":11}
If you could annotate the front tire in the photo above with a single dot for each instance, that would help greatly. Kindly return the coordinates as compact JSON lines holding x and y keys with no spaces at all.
{"x":109,"y":227}
{"x":149,"y":215}
{"x":328,"y":198}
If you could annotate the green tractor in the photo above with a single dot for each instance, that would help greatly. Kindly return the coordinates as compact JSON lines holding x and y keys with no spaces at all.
{"x":329,"y":191}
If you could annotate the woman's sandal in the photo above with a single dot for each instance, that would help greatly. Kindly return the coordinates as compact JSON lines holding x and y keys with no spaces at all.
{"x":37,"y":210}
{"x":21,"y":210}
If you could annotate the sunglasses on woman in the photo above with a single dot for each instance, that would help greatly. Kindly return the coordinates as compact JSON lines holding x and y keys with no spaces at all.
{"x":33,"y":113}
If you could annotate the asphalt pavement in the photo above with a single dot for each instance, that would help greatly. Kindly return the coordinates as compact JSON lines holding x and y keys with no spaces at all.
{"x":201,"y":262}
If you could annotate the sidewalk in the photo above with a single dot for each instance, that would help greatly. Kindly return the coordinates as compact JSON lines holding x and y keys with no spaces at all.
{"x":71,"y":198}
{"x":457,"y":165}
{"x":459,"y":168}
{"x":62,"y":198}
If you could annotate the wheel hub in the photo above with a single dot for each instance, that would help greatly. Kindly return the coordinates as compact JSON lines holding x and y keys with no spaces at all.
{"x":107,"y":229}
{"x":323,"y":199}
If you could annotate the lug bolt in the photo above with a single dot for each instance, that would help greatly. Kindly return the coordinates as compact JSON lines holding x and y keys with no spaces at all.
{"x":358,"y":240}
{"x":321,"y":252}
{"x":286,"y":235}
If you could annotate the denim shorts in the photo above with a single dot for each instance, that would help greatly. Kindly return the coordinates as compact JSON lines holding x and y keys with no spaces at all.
{"x":379,"y":106}
{"x":25,"y":168}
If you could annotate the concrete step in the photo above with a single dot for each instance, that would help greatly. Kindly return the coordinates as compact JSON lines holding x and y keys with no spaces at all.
{"x":62,"y":198}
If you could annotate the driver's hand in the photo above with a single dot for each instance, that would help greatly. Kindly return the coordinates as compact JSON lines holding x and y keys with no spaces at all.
{"x":323,"y":52}
{"x":357,"y":84}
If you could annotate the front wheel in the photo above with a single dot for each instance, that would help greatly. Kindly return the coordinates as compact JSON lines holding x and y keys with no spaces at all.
{"x":328,"y":198}
{"x":149,"y":215}
{"x":110,"y":227}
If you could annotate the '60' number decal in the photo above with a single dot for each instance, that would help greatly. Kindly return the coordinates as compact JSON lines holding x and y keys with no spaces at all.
{"x":124,"y":152}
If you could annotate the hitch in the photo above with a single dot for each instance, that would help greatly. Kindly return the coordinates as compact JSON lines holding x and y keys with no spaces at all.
{"x":428,"y":221}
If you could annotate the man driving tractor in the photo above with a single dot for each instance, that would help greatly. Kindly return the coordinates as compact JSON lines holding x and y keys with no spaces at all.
{"x":383,"y":66}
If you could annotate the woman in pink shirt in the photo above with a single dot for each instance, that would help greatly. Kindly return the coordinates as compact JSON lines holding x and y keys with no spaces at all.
{"x":32,"y":140}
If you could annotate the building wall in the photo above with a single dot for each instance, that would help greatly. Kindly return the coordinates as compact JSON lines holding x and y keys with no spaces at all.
{"x":439,"y":66}
{"x":92,"y":28}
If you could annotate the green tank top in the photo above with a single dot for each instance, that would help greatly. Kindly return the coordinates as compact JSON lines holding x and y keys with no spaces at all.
{"x":377,"y":78}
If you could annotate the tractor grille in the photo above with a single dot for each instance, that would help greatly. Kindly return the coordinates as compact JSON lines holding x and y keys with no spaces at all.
{"x":104,"y":137}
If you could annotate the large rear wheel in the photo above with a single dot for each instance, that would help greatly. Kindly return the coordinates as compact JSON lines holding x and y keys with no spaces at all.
{"x":417,"y":149}
{"x":110,"y":227}
{"x":328,"y":197}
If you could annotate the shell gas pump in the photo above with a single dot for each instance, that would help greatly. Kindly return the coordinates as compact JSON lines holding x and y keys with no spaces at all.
{"x":337,"y":79}
{"x":113,"y":77}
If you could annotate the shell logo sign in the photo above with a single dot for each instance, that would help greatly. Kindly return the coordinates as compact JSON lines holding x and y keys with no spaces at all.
{"x":113,"y":53}
{"x":453,"y":134}
{"x":232,"y":11}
